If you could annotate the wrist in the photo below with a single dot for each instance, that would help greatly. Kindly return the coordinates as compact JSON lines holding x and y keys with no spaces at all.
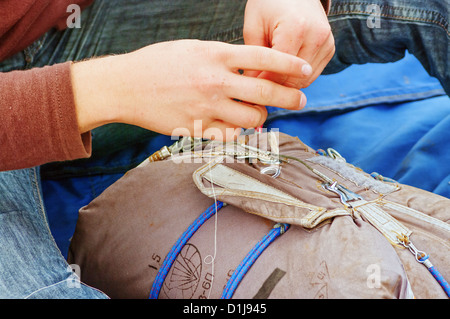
{"x":93,"y":93}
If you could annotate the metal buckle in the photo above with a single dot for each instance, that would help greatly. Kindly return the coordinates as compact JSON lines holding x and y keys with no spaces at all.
{"x":345,"y":195}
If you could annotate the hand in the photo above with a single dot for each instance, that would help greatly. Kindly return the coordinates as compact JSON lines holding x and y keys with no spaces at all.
{"x":297,"y":27}
{"x":167,"y":87}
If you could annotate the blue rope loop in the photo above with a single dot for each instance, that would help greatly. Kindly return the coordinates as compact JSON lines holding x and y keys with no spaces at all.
{"x":173,"y":253}
{"x":437,"y":275}
{"x":250,"y":259}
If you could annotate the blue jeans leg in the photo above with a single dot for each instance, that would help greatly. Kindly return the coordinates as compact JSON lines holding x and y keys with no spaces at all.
{"x":380,"y":31}
{"x":31,"y":266}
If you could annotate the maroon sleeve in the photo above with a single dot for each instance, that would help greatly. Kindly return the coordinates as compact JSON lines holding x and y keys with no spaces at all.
{"x":38,"y":122}
{"x":38,"y":118}
{"x":23,"y":21}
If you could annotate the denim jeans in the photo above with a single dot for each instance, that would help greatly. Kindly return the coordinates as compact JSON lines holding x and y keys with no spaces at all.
{"x":31,"y":266}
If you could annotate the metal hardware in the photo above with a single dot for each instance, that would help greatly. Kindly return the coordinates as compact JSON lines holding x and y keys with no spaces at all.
{"x":345,"y":195}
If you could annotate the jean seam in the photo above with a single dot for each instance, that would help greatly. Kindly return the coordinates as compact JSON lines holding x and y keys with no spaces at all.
{"x":58,"y":283}
{"x":36,"y":193}
{"x":41,"y":207}
{"x":43,"y":288}
{"x":442,"y":25}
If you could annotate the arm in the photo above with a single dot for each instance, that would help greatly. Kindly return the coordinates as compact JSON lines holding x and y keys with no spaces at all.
{"x":47,"y":113}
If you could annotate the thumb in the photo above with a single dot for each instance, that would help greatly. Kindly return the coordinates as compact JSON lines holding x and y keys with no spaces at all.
{"x":284,"y":41}
{"x":254,"y":35}
{"x":287,"y":40}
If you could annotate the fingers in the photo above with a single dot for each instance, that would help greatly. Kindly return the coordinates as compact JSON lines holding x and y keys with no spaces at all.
{"x":290,"y":42}
{"x":322,"y":58}
{"x":225,"y":120}
{"x":264,"y":92}
{"x":258,"y":58}
{"x":319,"y":55}
{"x":287,"y":40}
{"x":313,"y":44}
{"x":221,"y":131}
{"x":241,"y":114}
{"x":316,"y":51}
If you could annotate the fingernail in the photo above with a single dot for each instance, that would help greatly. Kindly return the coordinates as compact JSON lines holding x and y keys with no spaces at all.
{"x":306,"y":69}
{"x":302,"y":101}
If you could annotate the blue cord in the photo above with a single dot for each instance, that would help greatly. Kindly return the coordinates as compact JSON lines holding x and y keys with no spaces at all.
{"x":240,"y":272}
{"x":437,"y":275}
{"x":172,"y":255}
{"x":250,"y":259}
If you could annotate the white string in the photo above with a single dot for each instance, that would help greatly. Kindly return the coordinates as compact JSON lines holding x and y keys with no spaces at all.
{"x":213,"y":258}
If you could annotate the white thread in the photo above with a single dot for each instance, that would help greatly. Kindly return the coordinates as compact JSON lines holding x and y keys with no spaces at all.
{"x":213,"y":258}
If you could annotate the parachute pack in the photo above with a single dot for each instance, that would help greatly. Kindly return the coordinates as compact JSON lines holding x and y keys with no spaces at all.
{"x":265,"y":216}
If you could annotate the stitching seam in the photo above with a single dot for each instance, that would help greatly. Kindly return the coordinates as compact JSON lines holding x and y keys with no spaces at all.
{"x":442,"y":25}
